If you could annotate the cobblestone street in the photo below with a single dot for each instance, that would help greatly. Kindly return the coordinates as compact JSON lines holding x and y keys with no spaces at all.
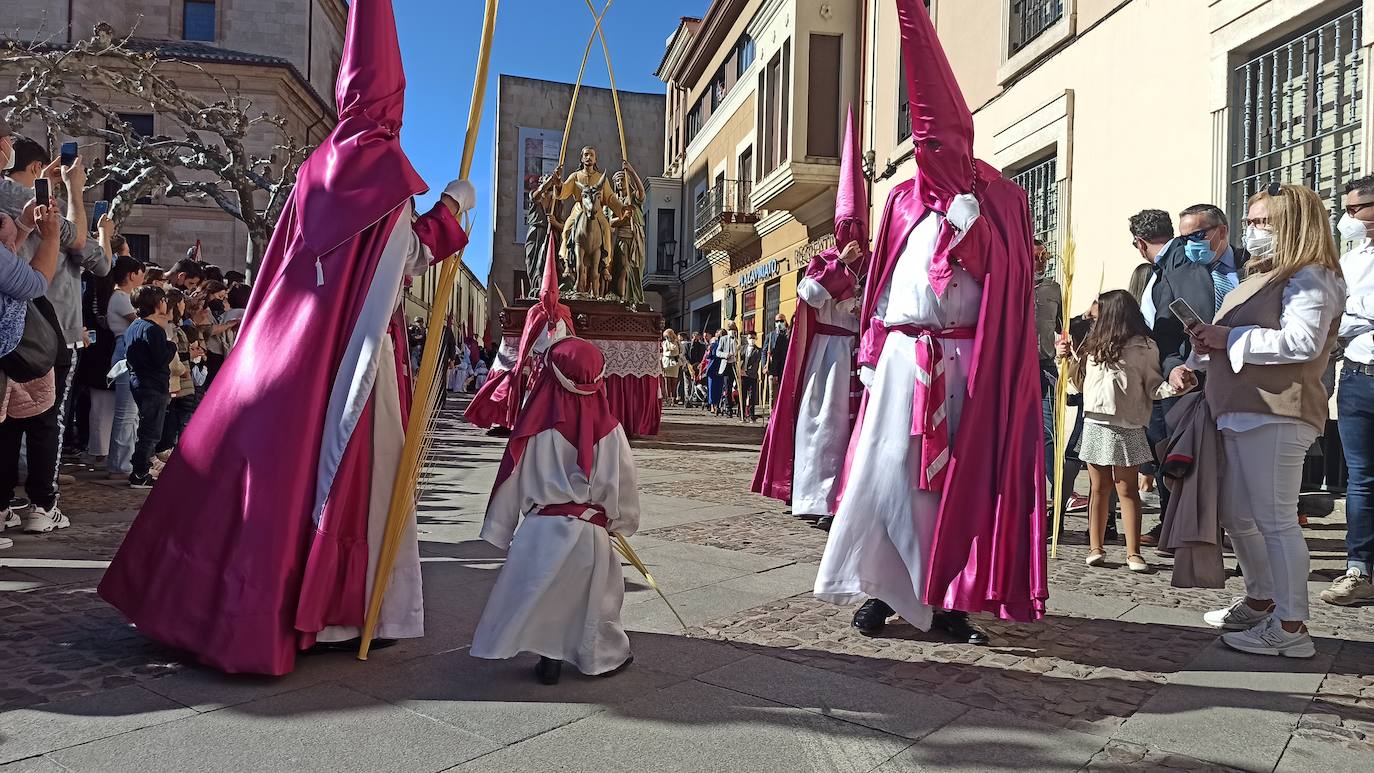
{"x":1120,"y":676}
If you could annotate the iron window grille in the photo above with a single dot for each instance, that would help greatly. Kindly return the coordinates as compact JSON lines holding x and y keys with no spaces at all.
{"x":1030,"y":19}
{"x":1298,"y":113}
{"x":1040,"y":181}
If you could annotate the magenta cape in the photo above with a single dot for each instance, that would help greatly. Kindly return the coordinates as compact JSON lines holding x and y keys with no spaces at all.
{"x":224,"y":560}
{"x":773,"y":475}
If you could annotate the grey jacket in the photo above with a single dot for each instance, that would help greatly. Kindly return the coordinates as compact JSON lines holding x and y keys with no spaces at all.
{"x":64,"y":292}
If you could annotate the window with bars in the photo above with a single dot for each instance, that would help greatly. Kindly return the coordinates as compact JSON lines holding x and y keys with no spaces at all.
{"x":1297,"y":114}
{"x":1040,"y":181}
{"x":1030,"y":19}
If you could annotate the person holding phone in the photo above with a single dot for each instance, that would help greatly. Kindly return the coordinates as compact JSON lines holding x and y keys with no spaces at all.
{"x":1264,"y":357}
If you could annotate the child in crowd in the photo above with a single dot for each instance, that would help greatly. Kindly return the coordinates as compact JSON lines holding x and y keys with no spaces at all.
{"x":1118,"y":373}
{"x":568,"y":481}
{"x":183,"y":388}
{"x":149,"y":356}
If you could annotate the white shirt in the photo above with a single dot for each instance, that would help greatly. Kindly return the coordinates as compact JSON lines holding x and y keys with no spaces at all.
{"x":117,"y":313}
{"x":1311,"y":300}
{"x":1357,"y":323}
{"x":1147,"y":300}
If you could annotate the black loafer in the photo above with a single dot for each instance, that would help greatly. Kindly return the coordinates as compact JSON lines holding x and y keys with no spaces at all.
{"x":618,"y":668}
{"x":958,"y":627}
{"x":872,"y":617}
{"x":824,"y":522}
{"x":548,"y":670}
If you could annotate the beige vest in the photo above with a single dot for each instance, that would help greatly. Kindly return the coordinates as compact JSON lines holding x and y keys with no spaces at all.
{"x":1292,"y":391}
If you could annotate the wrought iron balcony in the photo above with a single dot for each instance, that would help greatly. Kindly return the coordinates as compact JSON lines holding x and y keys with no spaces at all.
{"x":725,"y":217}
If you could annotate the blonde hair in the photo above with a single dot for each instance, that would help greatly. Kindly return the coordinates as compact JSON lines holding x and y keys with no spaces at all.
{"x":1302,"y":233}
{"x":667,"y":332}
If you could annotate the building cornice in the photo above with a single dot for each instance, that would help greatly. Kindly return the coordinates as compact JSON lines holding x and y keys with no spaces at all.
{"x":710,"y":38}
{"x":677,"y":46}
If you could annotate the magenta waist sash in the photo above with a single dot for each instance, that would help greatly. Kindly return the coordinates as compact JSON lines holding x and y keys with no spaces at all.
{"x":929,"y":409}
{"x":593,"y":514}
{"x":835,"y":330}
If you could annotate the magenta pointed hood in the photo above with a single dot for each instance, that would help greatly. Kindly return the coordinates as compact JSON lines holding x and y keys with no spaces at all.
{"x":359,"y":173}
{"x":941,"y":123}
{"x":851,"y":199}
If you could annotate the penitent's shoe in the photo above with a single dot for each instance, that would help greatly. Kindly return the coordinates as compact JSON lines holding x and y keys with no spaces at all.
{"x":958,"y":627}
{"x":872,"y":617}
{"x":1269,"y":638}
{"x":548,"y":670}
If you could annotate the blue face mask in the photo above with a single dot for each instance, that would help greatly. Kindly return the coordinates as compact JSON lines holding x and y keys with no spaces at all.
{"x":1199,"y":252}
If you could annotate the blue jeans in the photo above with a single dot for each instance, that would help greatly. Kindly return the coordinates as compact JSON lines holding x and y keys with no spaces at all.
{"x":152,"y":413}
{"x":1355,"y":407}
{"x":124,"y":434}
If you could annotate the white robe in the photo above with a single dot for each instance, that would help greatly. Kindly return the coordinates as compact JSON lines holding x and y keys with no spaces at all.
{"x":879,"y":546}
{"x":560,"y":591}
{"x":822,"y":430}
{"x":370,"y":369}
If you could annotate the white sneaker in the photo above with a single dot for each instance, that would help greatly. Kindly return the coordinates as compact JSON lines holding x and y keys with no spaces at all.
{"x":1269,"y":638}
{"x":6,"y":542}
{"x":1237,"y":617}
{"x":40,"y":521}
{"x":12,"y":519}
{"x":1350,"y":588}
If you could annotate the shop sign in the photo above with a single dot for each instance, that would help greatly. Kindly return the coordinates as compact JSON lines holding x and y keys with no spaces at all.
{"x":810,"y":250}
{"x":766,"y":270}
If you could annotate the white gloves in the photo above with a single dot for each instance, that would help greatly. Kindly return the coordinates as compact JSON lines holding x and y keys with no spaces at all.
{"x":462,"y":192}
{"x":963,"y":211}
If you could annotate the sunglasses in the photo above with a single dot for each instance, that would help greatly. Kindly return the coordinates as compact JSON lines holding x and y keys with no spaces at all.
{"x":1199,"y":235}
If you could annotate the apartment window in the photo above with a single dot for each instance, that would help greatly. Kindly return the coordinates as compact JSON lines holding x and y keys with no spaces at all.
{"x":140,"y":246}
{"x":694,"y":122}
{"x":748,"y":306}
{"x":198,"y":20}
{"x":1030,"y":19}
{"x":772,"y":299}
{"x":1040,"y":181}
{"x":717,"y":89}
{"x":744,"y":55}
{"x":1297,"y":116}
{"x":903,"y":106}
{"x":772,"y":122}
{"x":667,"y":232}
{"x":823,"y":97}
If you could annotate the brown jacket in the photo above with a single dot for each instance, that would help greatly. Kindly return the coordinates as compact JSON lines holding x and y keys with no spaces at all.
{"x":1193,"y":464}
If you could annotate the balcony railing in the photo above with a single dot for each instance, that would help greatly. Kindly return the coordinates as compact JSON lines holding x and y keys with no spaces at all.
{"x":1030,"y":19}
{"x":726,"y":204}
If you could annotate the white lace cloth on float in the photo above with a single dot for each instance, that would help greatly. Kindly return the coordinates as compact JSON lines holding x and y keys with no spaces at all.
{"x":631,"y":359}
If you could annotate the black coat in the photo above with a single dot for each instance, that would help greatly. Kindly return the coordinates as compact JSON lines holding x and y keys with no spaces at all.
{"x":1177,"y":277}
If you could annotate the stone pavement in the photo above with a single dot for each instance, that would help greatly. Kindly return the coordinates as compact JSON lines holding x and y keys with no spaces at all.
{"x":1119,"y":677}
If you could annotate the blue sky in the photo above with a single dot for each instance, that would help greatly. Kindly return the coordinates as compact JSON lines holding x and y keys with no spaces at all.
{"x":534,"y":38}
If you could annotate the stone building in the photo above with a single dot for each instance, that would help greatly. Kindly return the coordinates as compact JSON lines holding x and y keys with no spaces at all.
{"x":281,"y":54}
{"x":757,"y":92}
{"x":1102,"y":108}
{"x":530,"y":117}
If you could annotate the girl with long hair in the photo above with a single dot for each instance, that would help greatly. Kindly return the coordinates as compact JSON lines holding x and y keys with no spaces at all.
{"x":1118,"y":373}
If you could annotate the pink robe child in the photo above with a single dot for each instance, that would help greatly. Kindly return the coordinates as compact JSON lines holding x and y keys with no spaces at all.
{"x":262,"y":532}
{"x":970,"y":538}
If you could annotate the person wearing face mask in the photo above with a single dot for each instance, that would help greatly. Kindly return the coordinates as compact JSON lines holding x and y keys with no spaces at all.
{"x":1201,"y":267}
{"x":1049,"y":305}
{"x":775,"y":355}
{"x":1355,"y":397}
{"x":1265,"y":358}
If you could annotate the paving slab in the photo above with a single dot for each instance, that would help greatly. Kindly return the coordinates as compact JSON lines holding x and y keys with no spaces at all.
{"x":1312,"y":755}
{"x":33,"y":765}
{"x":782,"y":582}
{"x":501,"y":700}
{"x":49,"y":727}
{"x":696,"y":606}
{"x":13,"y":580}
{"x":327,"y":728}
{"x":718,"y":556}
{"x":1080,"y":604}
{"x":693,"y":727}
{"x":861,"y":701}
{"x":981,"y":741}
{"x":1148,"y":614}
{"x":1229,"y":707}
{"x":682,"y":655}
{"x":675,"y":574}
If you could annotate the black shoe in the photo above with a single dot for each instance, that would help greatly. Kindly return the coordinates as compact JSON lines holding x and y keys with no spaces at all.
{"x":806,"y":517}
{"x":824,"y":523}
{"x":498,"y":432}
{"x":350,"y":645}
{"x":618,"y":668}
{"x":140,"y":481}
{"x":548,"y":670}
{"x":958,"y":627}
{"x":872,"y":617}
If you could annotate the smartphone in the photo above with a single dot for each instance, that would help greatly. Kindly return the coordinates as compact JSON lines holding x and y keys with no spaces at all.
{"x":90,"y":337}
{"x":102,"y":208}
{"x":68,"y":153}
{"x":41,"y":193}
{"x":1185,"y":314}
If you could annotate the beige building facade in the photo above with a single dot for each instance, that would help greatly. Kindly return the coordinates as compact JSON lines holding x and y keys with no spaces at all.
{"x":468,"y":304}
{"x":1102,"y":108}
{"x":281,"y":54}
{"x":757,"y":91}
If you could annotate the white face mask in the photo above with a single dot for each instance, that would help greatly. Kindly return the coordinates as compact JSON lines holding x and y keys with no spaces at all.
{"x":1352,"y":228}
{"x":1259,"y":242}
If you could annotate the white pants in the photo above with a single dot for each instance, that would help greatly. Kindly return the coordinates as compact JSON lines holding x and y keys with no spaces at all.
{"x":101,"y":421}
{"x":1259,"y":509}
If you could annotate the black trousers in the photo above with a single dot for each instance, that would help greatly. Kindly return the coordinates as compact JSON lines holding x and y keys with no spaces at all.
{"x":152,"y":414}
{"x":42,"y":434}
{"x":178,"y":415}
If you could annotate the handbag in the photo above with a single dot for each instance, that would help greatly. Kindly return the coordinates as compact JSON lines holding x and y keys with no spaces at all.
{"x":39,"y":347}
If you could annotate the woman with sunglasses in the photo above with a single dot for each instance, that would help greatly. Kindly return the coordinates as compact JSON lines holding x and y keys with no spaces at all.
{"x":1264,"y":359}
